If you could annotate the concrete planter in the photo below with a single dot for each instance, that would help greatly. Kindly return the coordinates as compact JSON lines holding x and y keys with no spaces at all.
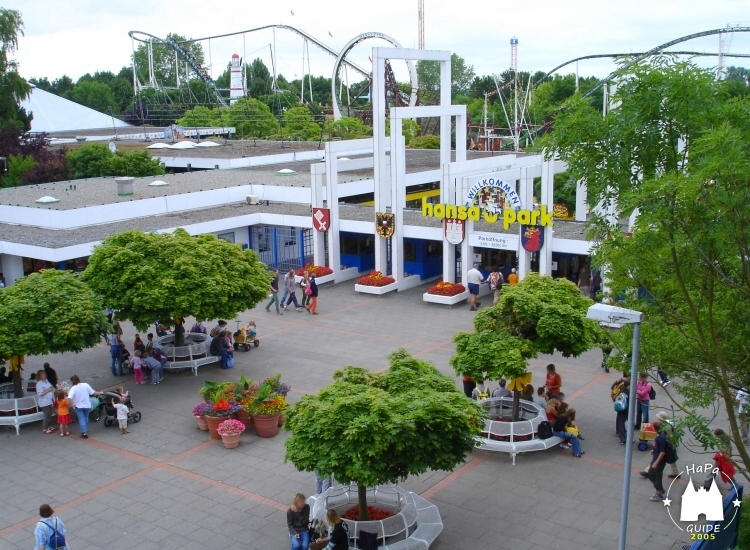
{"x":377,"y":290}
{"x":446,"y":300}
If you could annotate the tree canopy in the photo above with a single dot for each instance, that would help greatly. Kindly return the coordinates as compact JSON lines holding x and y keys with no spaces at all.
{"x":48,"y":312}
{"x":375,"y":428}
{"x":674,"y":150}
{"x":538,"y":315}
{"x":462,"y":75}
{"x":148,"y":276}
{"x":13,"y":88}
{"x":94,"y":160}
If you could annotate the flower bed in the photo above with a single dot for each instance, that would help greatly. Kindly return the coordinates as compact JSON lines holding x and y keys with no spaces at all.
{"x":317,"y":270}
{"x":446,"y":289}
{"x":373,"y":513}
{"x":376,"y":278}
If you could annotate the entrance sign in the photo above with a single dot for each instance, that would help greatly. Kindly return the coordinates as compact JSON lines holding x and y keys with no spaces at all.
{"x":454,"y":230}
{"x":500,"y":241}
{"x":321,"y":219}
{"x":493,"y":195}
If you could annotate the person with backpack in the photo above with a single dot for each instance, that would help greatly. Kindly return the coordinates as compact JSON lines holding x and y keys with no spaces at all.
{"x":560,"y":428}
{"x":312,"y":291}
{"x":643,"y":393}
{"x":290,"y":282}
{"x":480,"y":392}
{"x":50,"y":530}
{"x":221,"y":325}
{"x":662,"y":454}
{"x":619,"y":393}
{"x":496,"y":284}
{"x":666,"y":426}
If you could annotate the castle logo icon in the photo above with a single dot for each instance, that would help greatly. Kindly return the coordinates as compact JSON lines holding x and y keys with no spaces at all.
{"x":697,"y":502}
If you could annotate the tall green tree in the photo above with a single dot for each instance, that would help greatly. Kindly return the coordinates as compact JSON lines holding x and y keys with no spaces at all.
{"x":260,"y":81}
{"x":538,"y":315}
{"x":148,"y":276}
{"x":375,"y":428}
{"x":674,"y":150}
{"x":13,"y":88}
{"x":94,"y":95}
{"x":165,"y":68}
{"x":462,"y":75}
{"x":48,"y":312}
{"x":252,"y":119}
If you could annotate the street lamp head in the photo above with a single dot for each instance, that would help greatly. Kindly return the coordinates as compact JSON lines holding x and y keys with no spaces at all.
{"x":605,"y":313}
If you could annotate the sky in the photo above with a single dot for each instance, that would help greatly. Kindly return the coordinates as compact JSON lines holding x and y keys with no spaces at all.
{"x":79,"y":36}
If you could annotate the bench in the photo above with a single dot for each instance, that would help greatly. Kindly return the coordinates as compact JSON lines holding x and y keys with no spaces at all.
{"x":14,"y":412}
{"x":190,"y":356}
{"x":503,"y":436}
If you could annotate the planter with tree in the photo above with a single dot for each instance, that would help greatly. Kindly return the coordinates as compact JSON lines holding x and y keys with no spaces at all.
{"x":230,"y":431}
{"x":538,"y":315}
{"x":377,"y":428}
{"x":47,"y":312}
{"x":147,"y":276}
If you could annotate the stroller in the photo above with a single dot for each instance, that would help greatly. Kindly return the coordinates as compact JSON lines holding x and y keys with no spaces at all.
{"x":110,"y":413}
{"x":244,"y":338}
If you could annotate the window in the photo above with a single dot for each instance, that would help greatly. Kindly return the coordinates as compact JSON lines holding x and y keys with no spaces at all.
{"x":229,"y":237}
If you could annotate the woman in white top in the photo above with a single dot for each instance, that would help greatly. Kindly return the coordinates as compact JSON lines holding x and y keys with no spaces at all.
{"x":45,"y":396}
{"x":79,"y":397}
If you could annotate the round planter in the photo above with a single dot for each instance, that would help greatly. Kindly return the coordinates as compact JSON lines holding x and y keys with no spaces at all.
{"x":230,"y":441}
{"x":266,"y":425}
{"x":282,"y":419}
{"x":202,"y":424}
{"x":245,"y":418}
{"x":213,"y":425}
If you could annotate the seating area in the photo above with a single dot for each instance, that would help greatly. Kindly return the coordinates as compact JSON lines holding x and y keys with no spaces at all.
{"x":192,"y":355}
{"x":414,"y":526}
{"x":502,"y":435}
{"x":6,"y":390}
{"x":14,"y":412}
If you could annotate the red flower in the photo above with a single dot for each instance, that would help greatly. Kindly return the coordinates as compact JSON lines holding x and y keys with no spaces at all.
{"x":317,"y":270}
{"x":376,"y":278}
{"x":373,"y":513}
{"x":446,"y":289}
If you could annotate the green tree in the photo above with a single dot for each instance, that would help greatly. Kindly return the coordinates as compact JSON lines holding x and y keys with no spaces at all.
{"x":252,"y":118}
{"x":260,"y":80}
{"x":462,"y":75}
{"x":375,"y":428}
{"x":48,"y":312}
{"x":164,"y":60}
{"x":347,"y":128}
{"x":299,"y":124}
{"x":198,"y":116}
{"x":147,"y":276}
{"x":538,"y":315}
{"x":675,"y":149}
{"x":94,"y":160}
{"x":13,"y":88}
{"x":18,"y":165}
{"x":95,"y":95}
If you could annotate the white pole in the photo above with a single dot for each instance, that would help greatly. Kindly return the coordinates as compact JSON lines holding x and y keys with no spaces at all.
{"x":302,"y":80}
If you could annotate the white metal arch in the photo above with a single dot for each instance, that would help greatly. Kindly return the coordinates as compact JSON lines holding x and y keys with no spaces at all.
{"x":349,"y":46}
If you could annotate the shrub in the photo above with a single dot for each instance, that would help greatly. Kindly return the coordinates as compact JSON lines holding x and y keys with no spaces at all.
{"x":425,"y":142}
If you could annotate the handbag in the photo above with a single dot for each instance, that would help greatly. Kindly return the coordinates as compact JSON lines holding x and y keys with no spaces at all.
{"x":230,"y":362}
{"x":308,"y":290}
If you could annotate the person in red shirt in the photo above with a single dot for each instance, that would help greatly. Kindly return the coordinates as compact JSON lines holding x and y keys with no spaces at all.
{"x":553,"y":382}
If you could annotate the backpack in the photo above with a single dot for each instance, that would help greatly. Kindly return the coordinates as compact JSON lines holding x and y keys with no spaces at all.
{"x":215,"y":331}
{"x":621,"y":403}
{"x":617,"y":389}
{"x":652,"y":393}
{"x":482,"y":394}
{"x":367,"y":540}
{"x":544,"y":431}
{"x":670,"y":454}
{"x":56,"y":539}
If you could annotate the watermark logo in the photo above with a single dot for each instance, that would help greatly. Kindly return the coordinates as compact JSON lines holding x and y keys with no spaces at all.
{"x":705,"y":500}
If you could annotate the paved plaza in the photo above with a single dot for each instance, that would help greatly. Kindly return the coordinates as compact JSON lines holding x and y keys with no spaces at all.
{"x":167,"y":485}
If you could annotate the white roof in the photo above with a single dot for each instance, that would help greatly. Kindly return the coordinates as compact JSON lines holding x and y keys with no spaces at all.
{"x":56,"y":114}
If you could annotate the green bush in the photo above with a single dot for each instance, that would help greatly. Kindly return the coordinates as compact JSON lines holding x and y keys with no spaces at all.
{"x":95,"y":160}
{"x":17,"y":166}
{"x":425,"y":142}
{"x":743,"y":536}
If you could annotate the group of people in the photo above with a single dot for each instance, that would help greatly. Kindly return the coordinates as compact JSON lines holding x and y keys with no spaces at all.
{"x":301,"y":534}
{"x":309,"y":292}
{"x":495,"y":279}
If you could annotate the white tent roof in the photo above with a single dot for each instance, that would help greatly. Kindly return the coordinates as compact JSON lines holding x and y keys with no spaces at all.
{"x":56,"y":114}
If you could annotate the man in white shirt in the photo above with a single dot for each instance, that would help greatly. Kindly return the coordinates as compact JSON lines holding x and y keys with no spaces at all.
{"x":79,"y":397}
{"x":474,"y":278}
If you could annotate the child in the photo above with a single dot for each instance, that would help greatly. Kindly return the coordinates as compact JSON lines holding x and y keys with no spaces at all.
{"x":137,"y":364}
{"x":252,"y":330}
{"x":63,"y":415}
{"x":122,"y":392}
{"x":122,"y":415}
{"x":539,"y":399}
{"x":31,"y":385}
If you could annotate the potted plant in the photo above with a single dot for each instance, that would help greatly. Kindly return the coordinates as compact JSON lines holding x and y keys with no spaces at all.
{"x":376,"y":278}
{"x":230,"y":431}
{"x":199,"y":412}
{"x":279,"y":387}
{"x":222,"y":409}
{"x":266,"y":409}
{"x":446,"y":289}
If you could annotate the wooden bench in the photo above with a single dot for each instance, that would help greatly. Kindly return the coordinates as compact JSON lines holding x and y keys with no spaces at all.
{"x":14,"y":412}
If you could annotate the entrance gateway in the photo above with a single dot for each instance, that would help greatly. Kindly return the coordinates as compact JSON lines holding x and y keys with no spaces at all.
{"x":496,"y":192}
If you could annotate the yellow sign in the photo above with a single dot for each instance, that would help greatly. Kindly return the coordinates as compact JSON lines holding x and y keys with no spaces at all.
{"x":474,"y":213}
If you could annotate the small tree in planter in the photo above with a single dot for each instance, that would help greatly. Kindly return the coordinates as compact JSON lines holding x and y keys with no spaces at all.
{"x":375,"y":428}
{"x":538,"y":315}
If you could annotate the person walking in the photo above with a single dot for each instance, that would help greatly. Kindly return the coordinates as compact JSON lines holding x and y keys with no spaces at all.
{"x":79,"y":397}
{"x":496,"y":284}
{"x":45,"y":397}
{"x":643,"y":391}
{"x":322,"y":484}
{"x":513,"y":277}
{"x":290,"y":290}
{"x":274,"y":293}
{"x":303,"y":285}
{"x":312,"y":288}
{"x":474,"y":278}
{"x":621,"y":390}
{"x":297,"y":521}
{"x":122,"y":415}
{"x":115,"y":351}
{"x":50,"y":530}
{"x":666,"y":427}
{"x":661,"y":454}
{"x":584,"y":282}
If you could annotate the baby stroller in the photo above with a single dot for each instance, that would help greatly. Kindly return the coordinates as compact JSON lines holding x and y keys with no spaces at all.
{"x":110,"y":413}
{"x":244,"y":338}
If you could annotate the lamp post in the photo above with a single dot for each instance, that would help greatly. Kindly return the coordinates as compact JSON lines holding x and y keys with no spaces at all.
{"x":615,"y":317}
